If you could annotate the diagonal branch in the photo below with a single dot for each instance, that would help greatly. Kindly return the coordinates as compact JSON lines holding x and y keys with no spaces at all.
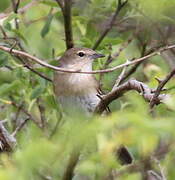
{"x":135,"y":67}
{"x":7,"y":141}
{"x":132,"y":84}
{"x":160,"y":87}
{"x":111,"y":23}
{"x":33,"y":70}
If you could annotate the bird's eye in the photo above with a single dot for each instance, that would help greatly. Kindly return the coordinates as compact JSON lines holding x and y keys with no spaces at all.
{"x":81,"y":54}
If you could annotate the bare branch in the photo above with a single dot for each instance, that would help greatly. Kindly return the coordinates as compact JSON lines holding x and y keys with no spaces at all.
{"x":15,"y":5}
{"x":134,"y":68}
{"x":41,"y":62}
{"x":111,"y":23}
{"x":110,"y":59}
{"x":19,"y":127}
{"x":34,"y":71}
{"x":143,"y":167}
{"x":140,"y":87}
{"x":160,"y":87}
{"x":7,"y":141}
{"x":21,"y":10}
{"x":120,"y":77}
{"x":24,"y":111}
{"x":69,"y":173}
{"x":38,"y":73}
{"x":20,"y":58}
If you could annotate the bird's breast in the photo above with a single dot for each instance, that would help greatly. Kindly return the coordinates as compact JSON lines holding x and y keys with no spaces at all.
{"x":66,"y":84}
{"x":83,"y":103}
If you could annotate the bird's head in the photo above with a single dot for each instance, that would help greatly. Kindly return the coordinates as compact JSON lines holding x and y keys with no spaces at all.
{"x":81,"y":58}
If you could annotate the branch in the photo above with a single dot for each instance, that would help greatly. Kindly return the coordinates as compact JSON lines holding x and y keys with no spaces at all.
{"x":33,"y":70}
{"x":24,"y":111}
{"x":15,"y":5}
{"x":7,"y":141}
{"x":111,"y":23}
{"x":60,"y":3}
{"x":38,"y":73}
{"x":19,"y":127}
{"x":5,"y":37}
{"x":140,"y":87}
{"x":41,"y":62}
{"x":68,"y":23}
{"x":134,"y":68}
{"x":73,"y":160}
{"x":160,"y":87}
{"x":110,"y":59}
{"x":42,"y":113}
{"x":21,"y":10}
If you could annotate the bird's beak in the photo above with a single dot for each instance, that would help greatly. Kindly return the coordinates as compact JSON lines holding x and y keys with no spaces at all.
{"x":97,"y":55}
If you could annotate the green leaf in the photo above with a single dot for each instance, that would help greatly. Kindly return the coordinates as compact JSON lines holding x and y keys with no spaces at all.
{"x":20,"y":35}
{"x":7,"y":88}
{"x":81,"y":27}
{"x":113,"y":41}
{"x":46,"y":27}
{"x":4,"y":4}
{"x":3,"y":59}
{"x":8,"y":26}
{"x":37,"y":92}
{"x":8,"y":19}
{"x":49,"y":3}
{"x":51,"y":101}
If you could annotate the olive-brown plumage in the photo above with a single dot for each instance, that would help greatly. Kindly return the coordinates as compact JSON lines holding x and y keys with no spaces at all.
{"x":74,"y":90}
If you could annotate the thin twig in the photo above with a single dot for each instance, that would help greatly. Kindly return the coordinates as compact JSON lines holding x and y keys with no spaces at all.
{"x":135,"y":67}
{"x":20,"y":58}
{"x":111,"y":23}
{"x":161,"y":169}
{"x":24,"y":111}
{"x":118,"y":80}
{"x":38,"y":73}
{"x":20,"y":127}
{"x":160,"y":87}
{"x":111,"y":58}
{"x":41,"y":62}
{"x":21,"y":10}
{"x":14,"y":122}
{"x":42,"y":113}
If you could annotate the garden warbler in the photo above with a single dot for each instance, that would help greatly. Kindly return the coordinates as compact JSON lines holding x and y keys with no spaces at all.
{"x":77,"y":91}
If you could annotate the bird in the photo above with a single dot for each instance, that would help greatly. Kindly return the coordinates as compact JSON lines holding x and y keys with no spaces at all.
{"x":77,"y":91}
{"x":80,"y":92}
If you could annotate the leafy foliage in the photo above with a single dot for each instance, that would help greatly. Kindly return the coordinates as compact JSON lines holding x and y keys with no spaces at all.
{"x":47,"y":140}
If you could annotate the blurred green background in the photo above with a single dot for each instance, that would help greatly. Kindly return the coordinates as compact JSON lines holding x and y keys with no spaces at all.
{"x":140,"y":28}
